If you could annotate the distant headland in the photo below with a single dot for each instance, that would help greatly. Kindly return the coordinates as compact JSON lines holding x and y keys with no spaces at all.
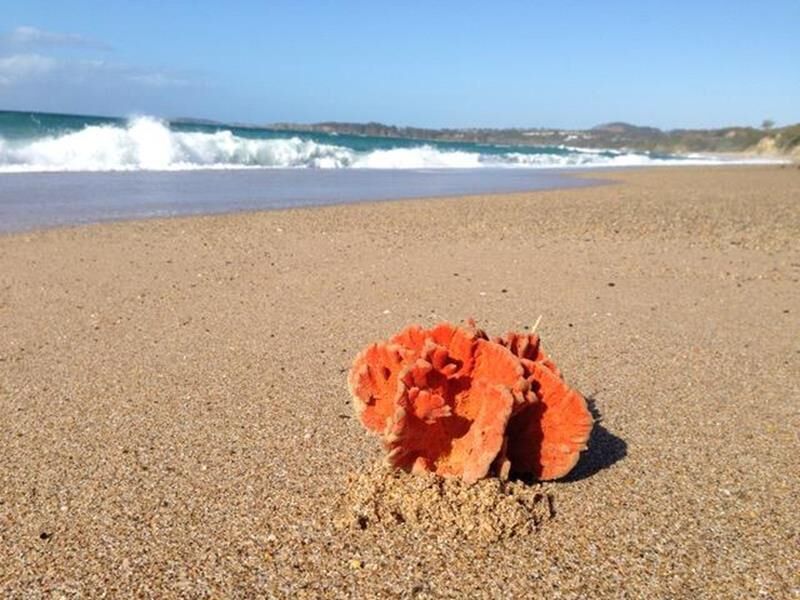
{"x":767,"y":140}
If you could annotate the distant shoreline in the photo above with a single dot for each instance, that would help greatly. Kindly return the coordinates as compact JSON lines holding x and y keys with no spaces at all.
{"x":783,"y":142}
{"x":779,"y":142}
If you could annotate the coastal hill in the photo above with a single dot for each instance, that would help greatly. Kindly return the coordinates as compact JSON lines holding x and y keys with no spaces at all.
{"x":783,"y":141}
{"x":766,"y":140}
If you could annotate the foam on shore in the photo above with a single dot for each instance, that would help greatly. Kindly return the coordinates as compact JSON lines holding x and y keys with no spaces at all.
{"x":148,"y":144}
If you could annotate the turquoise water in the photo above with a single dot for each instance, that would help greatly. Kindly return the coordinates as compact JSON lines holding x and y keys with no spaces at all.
{"x":31,"y":141}
{"x":21,"y":126}
{"x":68,"y":169}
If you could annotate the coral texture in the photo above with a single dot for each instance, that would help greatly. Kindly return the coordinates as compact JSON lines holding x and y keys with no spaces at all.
{"x":451,"y":401}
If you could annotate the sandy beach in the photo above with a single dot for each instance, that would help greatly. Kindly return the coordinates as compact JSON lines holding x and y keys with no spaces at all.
{"x":176,"y":420}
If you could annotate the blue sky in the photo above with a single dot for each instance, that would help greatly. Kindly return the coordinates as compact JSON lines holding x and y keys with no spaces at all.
{"x":533,"y":64}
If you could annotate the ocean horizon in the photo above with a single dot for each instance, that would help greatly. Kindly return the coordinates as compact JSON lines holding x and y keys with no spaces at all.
{"x":58,"y":170}
{"x":49,"y":142}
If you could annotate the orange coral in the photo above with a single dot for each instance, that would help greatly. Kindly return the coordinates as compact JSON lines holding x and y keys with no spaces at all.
{"x":451,"y":401}
{"x":546,"y":437}
{"x":373,"y":381}
{"x":451,"y":419}
{"x":528,"y":348}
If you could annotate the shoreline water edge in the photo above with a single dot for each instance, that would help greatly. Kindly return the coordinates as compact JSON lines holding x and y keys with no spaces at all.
{"x":61,"y":170}
{"x":43,"y":200}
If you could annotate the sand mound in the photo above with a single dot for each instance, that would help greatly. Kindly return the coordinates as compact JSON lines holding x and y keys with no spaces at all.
{"x":487,"y":511}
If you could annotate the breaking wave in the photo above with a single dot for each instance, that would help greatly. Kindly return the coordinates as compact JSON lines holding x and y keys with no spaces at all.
{"x":145,"y":143}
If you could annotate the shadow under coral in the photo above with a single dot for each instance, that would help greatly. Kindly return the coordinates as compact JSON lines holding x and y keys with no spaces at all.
{"x":604,"y":449}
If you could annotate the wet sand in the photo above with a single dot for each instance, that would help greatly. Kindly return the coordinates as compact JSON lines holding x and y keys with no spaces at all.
{"x":176,"y":421}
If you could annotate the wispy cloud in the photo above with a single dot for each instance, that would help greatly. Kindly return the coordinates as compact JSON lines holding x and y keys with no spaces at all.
{"x":67,"y":72}
{"x":158,"y":79}
{"x":32,"y":68}
{"x":25,"y":35}
{"x":33,"y":56}
{"x":19,"y":67}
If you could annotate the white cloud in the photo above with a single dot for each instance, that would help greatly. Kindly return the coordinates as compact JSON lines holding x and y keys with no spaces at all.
{"x":157,"y":79}
{"x":66,"y":72}
{"x":32,"y":36}
{"x":19,"y":67}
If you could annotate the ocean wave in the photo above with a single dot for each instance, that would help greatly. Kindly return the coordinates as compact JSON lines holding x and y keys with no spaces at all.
{"x":145,"y":143}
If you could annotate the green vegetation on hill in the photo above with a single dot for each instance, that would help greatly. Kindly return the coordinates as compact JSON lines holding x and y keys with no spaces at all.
{"x":782,"y":141}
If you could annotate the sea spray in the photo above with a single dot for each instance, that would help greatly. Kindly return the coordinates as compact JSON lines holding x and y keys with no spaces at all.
{"x":37,"y":143}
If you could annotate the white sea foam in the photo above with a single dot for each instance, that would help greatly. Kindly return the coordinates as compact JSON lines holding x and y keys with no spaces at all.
{"x":149,"y":144}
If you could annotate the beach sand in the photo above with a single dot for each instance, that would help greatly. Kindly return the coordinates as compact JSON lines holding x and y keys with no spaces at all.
{"x":176,"y":420}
